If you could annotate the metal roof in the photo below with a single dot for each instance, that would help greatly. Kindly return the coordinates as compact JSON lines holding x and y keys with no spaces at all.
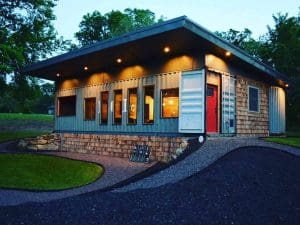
{"x":182,"y":31}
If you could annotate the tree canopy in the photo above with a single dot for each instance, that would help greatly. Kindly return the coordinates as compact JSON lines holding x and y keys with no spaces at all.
{"x":27,"y":35}
{"x":97,"y":27}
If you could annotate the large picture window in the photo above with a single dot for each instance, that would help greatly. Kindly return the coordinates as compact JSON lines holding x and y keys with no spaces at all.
{"x":169,"y":103}
{"x":118,"y":107}
{"x":104,"y":107}
{"x":132,"y":106}
{"x":149,"y":104}
{"x":90,"y":108}
{"x":66,"y":106}
{"x":253,"y":99}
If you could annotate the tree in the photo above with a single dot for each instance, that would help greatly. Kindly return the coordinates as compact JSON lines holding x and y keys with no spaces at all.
{"x":96,"y":27}
{"x":26,"y":36}
{"x":283,"y":52}
{"x":93,"y":27}
{"x":242,"y":39}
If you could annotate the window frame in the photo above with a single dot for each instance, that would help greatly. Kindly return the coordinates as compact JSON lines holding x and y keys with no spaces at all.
{"x":100,"y":108}
{"x":128,"y":105}
{"x":58,"y":113}
{"x":143,"y":105}
{"x":114,"y":108}
{"x":258,"y":99}
{"x":95,"y":108}
{"x":161,"y":104}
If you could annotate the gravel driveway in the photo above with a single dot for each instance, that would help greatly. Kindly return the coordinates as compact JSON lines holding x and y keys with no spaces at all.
{"x":253,"y":185}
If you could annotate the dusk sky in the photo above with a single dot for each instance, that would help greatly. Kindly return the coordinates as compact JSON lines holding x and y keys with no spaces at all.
{"x":215,"y":15}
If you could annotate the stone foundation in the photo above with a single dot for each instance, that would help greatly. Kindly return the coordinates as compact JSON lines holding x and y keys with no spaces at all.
{"x":121,"y":145}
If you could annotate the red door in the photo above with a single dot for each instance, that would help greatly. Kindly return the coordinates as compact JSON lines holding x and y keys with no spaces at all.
{"x":212,"y":108}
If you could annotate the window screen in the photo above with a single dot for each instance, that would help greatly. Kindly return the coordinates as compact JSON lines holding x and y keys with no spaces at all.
{"x":149,"y":104}
{"x":253,"y":99}
{"x":118,"y":107}
{"x":104,"y":107}
{"x":90,"y":108}
{"x":169,"y":103}
{"x":66,"y":106}
{"x":132,"y":106}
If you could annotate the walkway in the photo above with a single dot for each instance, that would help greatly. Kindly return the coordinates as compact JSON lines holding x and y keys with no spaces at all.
{"x":116,"y":170}
{"x":212,"y":149}
{"x":120,"y":169}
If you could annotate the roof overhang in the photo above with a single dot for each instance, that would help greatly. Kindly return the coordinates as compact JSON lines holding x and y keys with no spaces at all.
{"x":181,"y":34}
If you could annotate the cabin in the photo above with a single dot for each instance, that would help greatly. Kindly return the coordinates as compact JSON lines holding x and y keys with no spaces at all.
{"x":157,"y":86}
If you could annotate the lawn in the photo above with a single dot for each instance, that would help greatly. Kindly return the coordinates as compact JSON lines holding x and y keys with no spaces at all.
{"x":28,"y":117}
{"x":43,"y":172}
{"x":292,"y":141}
{"x":13,"y":135}
{"x":17,"y":125}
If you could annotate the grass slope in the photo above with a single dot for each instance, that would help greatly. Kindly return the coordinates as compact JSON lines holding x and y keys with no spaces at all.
{"x":292,"y":141}
{"x":42,"y":172}
{"x":17,"y":125}
{"x":28,"y":117}
{"x":13,"y":135}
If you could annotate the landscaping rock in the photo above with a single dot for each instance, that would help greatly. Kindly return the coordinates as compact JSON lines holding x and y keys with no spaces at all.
{"x":22,"y":144}
{"x":44,"y":142}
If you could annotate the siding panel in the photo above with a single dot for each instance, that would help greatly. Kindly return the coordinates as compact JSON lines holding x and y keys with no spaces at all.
{"x":77,"y":123}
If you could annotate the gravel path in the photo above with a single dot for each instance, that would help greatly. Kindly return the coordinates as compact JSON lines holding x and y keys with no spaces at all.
{"x":212,"y":149}
{"x":116,"y":170}
{"x":253,"y":185}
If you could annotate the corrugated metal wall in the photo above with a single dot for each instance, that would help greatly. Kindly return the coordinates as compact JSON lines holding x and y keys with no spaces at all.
{"x":276,"y":110}
{"x":77,"y":123}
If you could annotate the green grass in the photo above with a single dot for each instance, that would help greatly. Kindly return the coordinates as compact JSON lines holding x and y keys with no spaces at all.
{"x":13,"y":135}
{"x":30,"y":117}
{"x":43,"y":172}
{"x":292,"y":141}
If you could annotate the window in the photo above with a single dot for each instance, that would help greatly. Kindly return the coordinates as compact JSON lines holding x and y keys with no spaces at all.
{"x":210,"y":91}
{"x":253,"y":99}
{"x":90,"y":108}
{"x":132,"y":106}
{"x":104,"y":107}
{"x":66,"y":106}
{"x":169,"y":102}
{"x":118,"y":107}
{"x":149,"y":104}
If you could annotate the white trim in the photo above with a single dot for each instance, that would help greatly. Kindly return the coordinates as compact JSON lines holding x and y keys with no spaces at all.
{"x":258,"y":98}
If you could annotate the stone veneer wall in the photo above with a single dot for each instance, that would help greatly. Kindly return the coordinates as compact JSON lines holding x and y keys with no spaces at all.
{"x":251,"y":123}
{"x":120,"y":145}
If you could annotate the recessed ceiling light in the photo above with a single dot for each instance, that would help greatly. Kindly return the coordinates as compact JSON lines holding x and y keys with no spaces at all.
{"x":119,"y":60}
{"x":228,"y":53}
{"x":85,"y":68}
{"x":58,"y":74}
{"x":167,"y":49}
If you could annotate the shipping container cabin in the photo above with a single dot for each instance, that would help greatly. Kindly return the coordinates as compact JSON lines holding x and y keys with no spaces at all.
{"x":158,"y":85}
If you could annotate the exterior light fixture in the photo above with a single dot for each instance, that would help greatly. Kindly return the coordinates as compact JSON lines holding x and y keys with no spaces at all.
{"x":286,"y":85}
{"x":85,"y":68}
{"x":58,"y":74}
{"x":167,"y":49}
{"x":228,"y":53}
{"x":119,"y":60}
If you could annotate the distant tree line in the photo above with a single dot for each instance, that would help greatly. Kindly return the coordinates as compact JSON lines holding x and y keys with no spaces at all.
{"x":27,"y":35}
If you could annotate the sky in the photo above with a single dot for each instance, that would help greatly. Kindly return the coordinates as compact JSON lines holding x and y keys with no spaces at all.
{"x":215,"y":15}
